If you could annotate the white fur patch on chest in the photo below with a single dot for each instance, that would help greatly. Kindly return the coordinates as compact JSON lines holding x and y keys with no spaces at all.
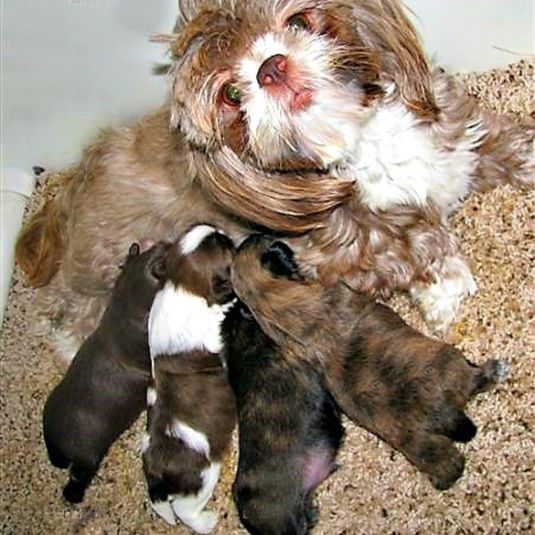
{"x":397,"y":161}
{"x":180,"y":321}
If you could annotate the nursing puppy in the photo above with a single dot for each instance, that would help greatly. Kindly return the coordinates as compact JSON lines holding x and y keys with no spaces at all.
{"x":318,"y":119}
{"x":103,"y":391}
{"x":191,"y":408}
{"x":408,"y":389}
{"x":289,"y":430}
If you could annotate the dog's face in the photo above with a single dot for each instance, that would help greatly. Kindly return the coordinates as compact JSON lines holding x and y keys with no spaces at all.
{"x":200,"y":263}
{"x":286,"y":84}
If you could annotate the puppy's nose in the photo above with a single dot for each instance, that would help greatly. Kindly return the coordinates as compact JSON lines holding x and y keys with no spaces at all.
{"x":272,"y":71}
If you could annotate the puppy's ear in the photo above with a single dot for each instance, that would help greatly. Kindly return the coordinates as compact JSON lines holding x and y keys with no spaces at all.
{"x":135,"y":250}
{"x":159,"y":268}
{"x":279,"y":260}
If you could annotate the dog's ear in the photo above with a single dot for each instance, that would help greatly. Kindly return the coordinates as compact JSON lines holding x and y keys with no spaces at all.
{"x":159,"y":268}
{"x":386,"y":28}
{"x":279,"y":260}
{"x":133,"y":251}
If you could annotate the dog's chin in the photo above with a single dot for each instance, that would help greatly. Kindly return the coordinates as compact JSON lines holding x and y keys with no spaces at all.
{"x":318,"y":136}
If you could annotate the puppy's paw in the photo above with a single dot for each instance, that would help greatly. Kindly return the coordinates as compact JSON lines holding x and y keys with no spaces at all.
{"x":496,"y":370}
{"x":73,"y":492}
{"x":448,"y":469}
{"x":493,"y":372}
{"x":437,"y":456}
{"x":462,"y":430}
{"x":165,"y":511}
{"x":440,"y":300}
{"x":204,"y":522}
{"x":312,"y":513}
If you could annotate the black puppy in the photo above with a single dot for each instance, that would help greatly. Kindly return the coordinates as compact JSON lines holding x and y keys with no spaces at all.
{"x":289,"y":429}
{"x":104,"y":389}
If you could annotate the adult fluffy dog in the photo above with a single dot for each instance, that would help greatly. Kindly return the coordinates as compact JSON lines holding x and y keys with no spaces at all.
{"x":323,"y":120}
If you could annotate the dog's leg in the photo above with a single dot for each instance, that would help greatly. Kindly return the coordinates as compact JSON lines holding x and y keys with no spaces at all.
{"x":440,"y":300}
{"x":164,"y":509}
{"x":190,"y":509}
{"x":437,"y":456}
{"x":79,"y":479}
{"x":430,"y":452}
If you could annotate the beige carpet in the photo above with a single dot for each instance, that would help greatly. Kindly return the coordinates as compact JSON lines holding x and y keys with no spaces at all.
{"x":376,"y":492}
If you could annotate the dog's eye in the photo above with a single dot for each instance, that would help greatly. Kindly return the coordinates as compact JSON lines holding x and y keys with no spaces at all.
{"x":298,"y":22}
{"x":231,"y":94}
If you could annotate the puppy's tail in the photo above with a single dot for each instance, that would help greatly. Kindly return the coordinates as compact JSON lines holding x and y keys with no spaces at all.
{"x":41,"y":242}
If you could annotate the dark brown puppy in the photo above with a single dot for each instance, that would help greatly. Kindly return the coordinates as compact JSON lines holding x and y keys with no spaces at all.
{"x":289,"y":430}
{"x":406,"y":388}
{"x":103,"y":391}
{"x":191,"y":411}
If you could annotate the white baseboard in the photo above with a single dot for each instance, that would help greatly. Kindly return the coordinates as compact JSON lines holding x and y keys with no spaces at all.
{"x":16,"y":186}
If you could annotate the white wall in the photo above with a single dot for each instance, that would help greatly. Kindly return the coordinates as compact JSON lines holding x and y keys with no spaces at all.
{"x":72,"y":66}
{"x":467,"y":35}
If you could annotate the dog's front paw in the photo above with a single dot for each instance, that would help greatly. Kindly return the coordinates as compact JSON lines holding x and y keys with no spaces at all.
{"x":439,"y":301}
{"x":448,"y":471}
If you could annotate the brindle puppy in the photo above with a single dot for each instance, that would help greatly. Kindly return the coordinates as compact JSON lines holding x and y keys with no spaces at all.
{"x":191,"y":410}
{"x":406,"y":388}
{"x":289,"y":430}
{"x":103,"y":391}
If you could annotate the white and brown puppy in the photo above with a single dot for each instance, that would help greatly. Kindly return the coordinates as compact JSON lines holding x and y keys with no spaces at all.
{"x":103,"y":391}
{"x":191,"y":408}
{"x":289,"y":429}
{"x":322,"y":119}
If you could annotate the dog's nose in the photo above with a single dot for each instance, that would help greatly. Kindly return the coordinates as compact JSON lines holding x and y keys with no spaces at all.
{"x":272,"y":71}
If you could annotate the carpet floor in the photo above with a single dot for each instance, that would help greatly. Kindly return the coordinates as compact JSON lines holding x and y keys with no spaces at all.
{"x":376,"y":491}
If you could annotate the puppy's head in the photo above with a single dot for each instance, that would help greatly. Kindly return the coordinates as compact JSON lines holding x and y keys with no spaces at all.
{"x":268,"y":279}
{"x":141,"y":276}
{"x":200,"y":263}
{"x":286,"y":85}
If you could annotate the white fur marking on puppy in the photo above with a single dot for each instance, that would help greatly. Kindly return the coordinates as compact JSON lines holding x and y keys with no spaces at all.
{"x":152,"y":396}
{"x":193,"y":439}
{"x":180,"y":321}
{"x":144,"y":443}
{"x":165,"y":511}
{"x":190,"y":509}
{"x":192,"y":239}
